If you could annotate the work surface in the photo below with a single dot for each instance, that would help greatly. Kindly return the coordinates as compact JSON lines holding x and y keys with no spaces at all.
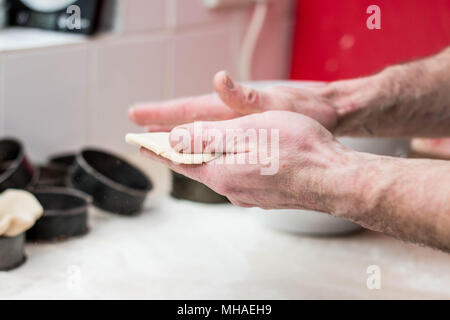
{"x":184,"y":250}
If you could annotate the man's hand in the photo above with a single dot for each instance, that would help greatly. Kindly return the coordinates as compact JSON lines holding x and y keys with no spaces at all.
{"x":307,"y":155}
{"x":409,"y":100}
{"x":406,"y":198}
{"x":232,"y":101}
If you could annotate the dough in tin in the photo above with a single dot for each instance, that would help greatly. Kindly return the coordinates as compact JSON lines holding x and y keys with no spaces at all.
{"x":19,"y":210}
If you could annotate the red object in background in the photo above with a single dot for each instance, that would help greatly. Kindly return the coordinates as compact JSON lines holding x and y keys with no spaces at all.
{"x":332,"y":41}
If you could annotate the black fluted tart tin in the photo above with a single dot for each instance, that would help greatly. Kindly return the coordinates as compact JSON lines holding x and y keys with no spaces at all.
{"x":15,"y":169}
{"x":114,"y":184}
{"x":12,"y":252}
{"x":188,"y":189}
{"x":65,"y":214}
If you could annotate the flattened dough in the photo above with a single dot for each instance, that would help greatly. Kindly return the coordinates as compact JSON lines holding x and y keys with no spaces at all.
{"x":19,"y":210}
{"x":158,"y":142}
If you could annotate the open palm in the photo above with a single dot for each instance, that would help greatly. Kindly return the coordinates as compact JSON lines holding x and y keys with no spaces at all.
{"x":231,"y":101}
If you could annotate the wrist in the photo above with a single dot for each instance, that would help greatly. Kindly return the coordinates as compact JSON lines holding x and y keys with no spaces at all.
{"x":354,"y":187}
{"x":333,"y":179}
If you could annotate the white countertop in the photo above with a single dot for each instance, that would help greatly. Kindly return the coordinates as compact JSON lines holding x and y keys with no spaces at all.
{"x":18,"y":38}
{"x":185,"y":250}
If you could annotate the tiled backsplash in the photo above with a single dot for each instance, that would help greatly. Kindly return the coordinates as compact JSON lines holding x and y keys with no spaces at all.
{"x":59,"y":98}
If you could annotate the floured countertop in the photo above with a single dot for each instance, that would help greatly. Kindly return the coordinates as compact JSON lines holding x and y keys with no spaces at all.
{"x":184,"y":250}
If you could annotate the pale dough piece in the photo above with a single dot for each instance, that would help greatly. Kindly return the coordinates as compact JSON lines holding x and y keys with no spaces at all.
{"x":19,"y":210}
{"x":158,"y":142}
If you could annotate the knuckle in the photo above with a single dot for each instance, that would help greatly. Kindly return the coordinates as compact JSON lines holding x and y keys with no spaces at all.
{"x":251,"y":96}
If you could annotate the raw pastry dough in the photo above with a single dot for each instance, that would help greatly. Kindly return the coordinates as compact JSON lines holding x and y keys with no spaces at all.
{"x":158,"y":142}
{"x":19,"y":210}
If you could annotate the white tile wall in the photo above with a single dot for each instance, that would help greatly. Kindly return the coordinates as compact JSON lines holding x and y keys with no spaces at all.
{"x":193,"y":12}
{"x":126,"y":72}
{"x":197,"y":58}
{"x":144,"y":15}
{"x":131,"y":16}
{"x":45,"y":99}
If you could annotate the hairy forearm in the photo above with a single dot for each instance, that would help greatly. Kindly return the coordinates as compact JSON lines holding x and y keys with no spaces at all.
{"x":406,"y":198}
{"x":405,"y":100}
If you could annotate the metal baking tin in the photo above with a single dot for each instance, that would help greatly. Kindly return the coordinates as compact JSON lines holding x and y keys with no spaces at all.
{"x":15,"y":169}
{"x":114,"y":184}
{"x":55,"y":172}
{"x":50,"y":176}
{"x":63,"y":160}
{"x":189,"y":189}
{"x":12,"y":254}
{"x":65,"y":214}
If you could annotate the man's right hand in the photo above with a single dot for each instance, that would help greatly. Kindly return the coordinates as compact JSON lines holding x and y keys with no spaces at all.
{"x":231,"y":101}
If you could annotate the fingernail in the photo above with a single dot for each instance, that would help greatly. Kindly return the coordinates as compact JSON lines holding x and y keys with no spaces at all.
{"x":228,"y":82}
{"x":180,"y":139}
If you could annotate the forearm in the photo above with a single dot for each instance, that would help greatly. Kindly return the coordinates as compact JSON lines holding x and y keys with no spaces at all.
{"x":406,"y":198}
{"x":406,"y":100}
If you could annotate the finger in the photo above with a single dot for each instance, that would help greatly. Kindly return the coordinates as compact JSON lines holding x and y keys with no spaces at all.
{"x":212,"y":137}
{"x":193,"y":171}
{"x":242,"y":99}
{"x":183,"y":110}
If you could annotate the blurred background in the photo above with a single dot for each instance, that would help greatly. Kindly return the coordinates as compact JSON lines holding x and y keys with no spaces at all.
{"x":59,"y":91}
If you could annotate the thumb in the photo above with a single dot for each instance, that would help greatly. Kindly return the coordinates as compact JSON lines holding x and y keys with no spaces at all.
{"x":241,"y":99}
{"x":210,"y":137}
